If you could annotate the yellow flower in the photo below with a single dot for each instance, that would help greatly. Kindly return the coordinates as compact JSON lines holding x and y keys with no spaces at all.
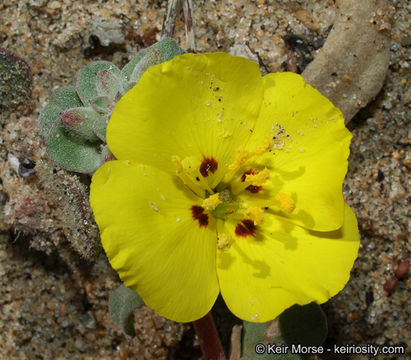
{"x":226,"y":181}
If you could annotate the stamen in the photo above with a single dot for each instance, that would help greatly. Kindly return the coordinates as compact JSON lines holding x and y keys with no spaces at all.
{"x":258,"y":179}
{"x":256,"y":214}
{"x":224,"y":241}
{"x":241,"y":156}
{"x":181,"y":173}
{"x":212,"y":202}
{"x":286,"y":203}
{"x":268,"y":144}
{"x":282,"y":201}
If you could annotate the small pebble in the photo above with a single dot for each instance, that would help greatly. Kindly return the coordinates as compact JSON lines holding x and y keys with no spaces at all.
{"x":390,"y":285}
{"x":26,"y":168}
{"x":260,"y":33}
{"x":402,"y":269}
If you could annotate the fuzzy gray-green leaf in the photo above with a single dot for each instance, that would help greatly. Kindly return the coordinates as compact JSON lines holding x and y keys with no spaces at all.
{"x":150,"y":59}
{"x":122,"y":303}
{"x":100,"y":126}
{"x":102,"y":104}
{"x":87,"y":79}
{"x":168,"y":49}
{"x":79,"y":122}
{"x":72,"y":153}
{"x":62,"y":99}
{"x":108,"y":84}
{"x":254,"y":335}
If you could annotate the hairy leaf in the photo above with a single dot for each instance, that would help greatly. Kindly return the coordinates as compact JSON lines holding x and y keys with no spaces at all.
{"x":122,"y":303}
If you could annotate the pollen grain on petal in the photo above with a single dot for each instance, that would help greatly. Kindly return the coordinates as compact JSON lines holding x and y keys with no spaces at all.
{"x":154,"y":206}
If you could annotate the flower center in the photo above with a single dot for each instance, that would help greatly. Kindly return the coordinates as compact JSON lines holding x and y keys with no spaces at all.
{"x":237,"y":216}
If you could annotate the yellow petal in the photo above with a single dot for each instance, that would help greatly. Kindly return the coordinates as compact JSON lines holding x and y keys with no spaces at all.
{"x":311,"y":147}
{"x":202,"y":106}
{"x":284,"y":265}
{"x":152,"y":240}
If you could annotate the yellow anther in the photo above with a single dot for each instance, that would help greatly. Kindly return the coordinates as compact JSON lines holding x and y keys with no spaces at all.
{"x":224,"y":241}
{"x":286,"y":203}
{"x":241,"y":156}
{"x":268,"y":144}
{"x":256,"y":214}
{"x":211,"y":202}
{"x":258,"y":179}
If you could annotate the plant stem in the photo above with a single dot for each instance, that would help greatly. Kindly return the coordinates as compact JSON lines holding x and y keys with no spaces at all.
{"x":209,"y":340}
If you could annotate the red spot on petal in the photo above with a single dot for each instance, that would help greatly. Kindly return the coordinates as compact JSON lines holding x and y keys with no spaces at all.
{"x":196,"y":211}
{"x":254,"y":189}
{"x":246,"y":228}
{"x":208,"y":165}
{"x":203,"y":220}
{"x":198,"y":214}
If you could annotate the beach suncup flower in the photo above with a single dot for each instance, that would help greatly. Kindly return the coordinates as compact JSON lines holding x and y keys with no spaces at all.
{"x":225,"y":181}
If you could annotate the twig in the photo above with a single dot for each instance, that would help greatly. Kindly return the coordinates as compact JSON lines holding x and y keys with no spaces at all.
{"x":235,"y":344}
{"x":188,"y":19}
{"x":170,"y":18}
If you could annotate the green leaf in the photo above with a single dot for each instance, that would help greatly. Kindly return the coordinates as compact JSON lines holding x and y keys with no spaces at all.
{"x":87,"y":79}
{"x":305,"y":325}
{"x":62,"y":99}
{"x":79,"y":122}
{"x":256,"y":336}
{"x":100,"y":126}
{"x":121,"y":304}
{"x":168,"y":49}
{"x":72,"y":153}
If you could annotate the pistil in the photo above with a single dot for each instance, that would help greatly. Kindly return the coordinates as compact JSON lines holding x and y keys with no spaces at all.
{"x":181,"y":173}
